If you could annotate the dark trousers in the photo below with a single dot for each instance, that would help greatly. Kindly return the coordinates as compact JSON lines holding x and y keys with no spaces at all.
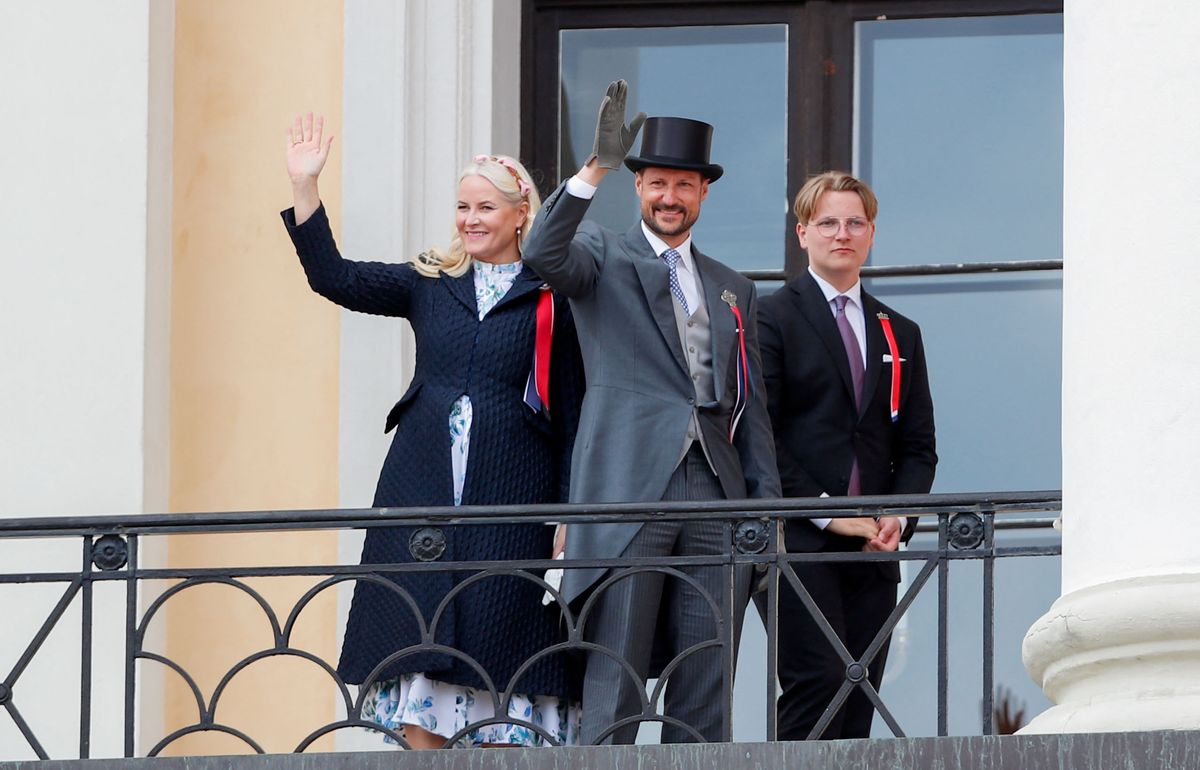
{"x":649,"y":612}
{"x":856,"y":599}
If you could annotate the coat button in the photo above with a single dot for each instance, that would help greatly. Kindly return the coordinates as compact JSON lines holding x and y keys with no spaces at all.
{"x":691,"y":400}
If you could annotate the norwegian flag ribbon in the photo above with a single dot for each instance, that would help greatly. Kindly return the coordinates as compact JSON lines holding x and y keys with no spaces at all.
{"x":537,"y":386}
{"x":886,"y":323}
{"x":744,"y":383}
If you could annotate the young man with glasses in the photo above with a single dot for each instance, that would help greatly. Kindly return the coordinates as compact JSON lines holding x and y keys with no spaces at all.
{"x":848,"y":396}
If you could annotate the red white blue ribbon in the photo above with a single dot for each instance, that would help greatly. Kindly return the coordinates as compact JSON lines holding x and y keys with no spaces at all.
{"x":745,"y":386}
{"x":886,"y":323}
{"x":537,"y":386}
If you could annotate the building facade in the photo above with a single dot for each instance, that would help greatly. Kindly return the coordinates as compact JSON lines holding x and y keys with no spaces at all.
{"x":166,"y":354}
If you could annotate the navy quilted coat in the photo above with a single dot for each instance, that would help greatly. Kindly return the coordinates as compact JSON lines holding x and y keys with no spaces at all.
{"x":516,"y":456}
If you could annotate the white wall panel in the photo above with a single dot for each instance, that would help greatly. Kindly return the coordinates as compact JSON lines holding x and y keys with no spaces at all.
{"x":83,"y":197}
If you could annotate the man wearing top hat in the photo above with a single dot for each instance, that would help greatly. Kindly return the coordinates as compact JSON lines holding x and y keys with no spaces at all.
{"x":674,"y":410}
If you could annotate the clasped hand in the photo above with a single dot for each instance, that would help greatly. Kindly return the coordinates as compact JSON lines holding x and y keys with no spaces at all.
{"x":880,"y":535}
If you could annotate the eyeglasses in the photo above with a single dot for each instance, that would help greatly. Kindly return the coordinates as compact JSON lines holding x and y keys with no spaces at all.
{"x":831,"y":226}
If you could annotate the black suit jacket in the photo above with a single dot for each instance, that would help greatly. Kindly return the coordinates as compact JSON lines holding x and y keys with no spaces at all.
{"x":818,"y":430}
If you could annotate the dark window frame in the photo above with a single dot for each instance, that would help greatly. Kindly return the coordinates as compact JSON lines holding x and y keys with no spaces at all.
{"x":820,"y":74}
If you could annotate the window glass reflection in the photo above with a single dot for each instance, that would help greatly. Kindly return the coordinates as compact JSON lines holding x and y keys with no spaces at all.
{"x":959,"y":129}
{"x":734,"y":77}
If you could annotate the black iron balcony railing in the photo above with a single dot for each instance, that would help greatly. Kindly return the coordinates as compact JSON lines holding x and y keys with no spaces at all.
{"x":965,"y":526}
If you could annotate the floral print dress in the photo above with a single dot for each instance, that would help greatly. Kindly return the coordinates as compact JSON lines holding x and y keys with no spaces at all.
{"x":444,"y":708}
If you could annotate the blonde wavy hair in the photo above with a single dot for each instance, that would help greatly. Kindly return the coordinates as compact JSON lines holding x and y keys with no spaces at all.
{"x":516,"y":186}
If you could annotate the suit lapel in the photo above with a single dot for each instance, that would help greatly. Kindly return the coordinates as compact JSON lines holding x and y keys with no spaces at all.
{"x":527,"y":281}
{"x":875,"y":347}
{"x":462,"y":288}
{"x":815,"y":309}
{"x":653,"y":275}
{"x":721,"y":321}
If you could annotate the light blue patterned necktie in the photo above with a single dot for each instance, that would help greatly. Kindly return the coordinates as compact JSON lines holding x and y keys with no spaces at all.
{"x":671,"y":257}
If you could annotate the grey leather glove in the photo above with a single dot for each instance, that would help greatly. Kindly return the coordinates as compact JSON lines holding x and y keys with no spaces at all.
{"x":613,"y":138}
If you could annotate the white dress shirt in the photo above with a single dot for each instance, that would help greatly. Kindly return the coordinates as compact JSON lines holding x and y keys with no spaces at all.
{"x":684,"y":267}
{"x":854,"y":310}
{"x":854,"y":314}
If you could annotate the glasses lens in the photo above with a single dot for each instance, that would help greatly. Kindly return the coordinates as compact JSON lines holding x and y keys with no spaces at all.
{"x":831,"y":227}
{"x":828,"y":227}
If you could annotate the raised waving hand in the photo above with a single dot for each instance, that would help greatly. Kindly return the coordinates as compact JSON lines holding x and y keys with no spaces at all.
{"x":614,"y":137}
{"x":307,"y":151}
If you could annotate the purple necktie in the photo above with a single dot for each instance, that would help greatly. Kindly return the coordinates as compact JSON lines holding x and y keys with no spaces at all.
{"x":854,"y":354}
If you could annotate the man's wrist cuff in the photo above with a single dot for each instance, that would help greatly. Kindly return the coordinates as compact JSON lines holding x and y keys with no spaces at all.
{"x":580,"y":189}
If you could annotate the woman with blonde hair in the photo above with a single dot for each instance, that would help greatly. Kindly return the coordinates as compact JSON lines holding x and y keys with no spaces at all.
{"x":488,"y":419}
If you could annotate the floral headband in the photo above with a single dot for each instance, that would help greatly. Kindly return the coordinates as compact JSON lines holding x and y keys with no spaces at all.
{"x":523,"y":186}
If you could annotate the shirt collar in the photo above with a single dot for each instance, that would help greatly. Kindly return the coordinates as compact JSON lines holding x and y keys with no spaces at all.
{"x":854,"y":292}
{"x":497,"y":268}
{"x":658,"y":245}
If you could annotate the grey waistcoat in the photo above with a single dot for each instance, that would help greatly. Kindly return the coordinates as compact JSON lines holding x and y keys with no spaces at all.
{"x":696,"y":338}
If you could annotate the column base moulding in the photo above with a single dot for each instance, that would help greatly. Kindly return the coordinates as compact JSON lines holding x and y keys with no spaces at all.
{"x":1119,"y":656}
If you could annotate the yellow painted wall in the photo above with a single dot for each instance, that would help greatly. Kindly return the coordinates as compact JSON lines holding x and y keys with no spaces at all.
{"x":254,"y":358}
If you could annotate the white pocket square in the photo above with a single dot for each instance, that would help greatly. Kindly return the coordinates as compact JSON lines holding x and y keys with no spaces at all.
{"x":887,"y":358}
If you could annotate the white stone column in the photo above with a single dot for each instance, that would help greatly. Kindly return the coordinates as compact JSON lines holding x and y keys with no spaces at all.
{"x":84,"y":314}
{"x":1120,"y":650}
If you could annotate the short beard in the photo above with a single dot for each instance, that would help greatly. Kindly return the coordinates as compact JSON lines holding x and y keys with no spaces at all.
{"x":684,"y":225}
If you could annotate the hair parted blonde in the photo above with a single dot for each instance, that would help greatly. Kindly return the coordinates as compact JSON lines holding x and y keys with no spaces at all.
{"x":832,"y":181}
{"x":514,"y":183}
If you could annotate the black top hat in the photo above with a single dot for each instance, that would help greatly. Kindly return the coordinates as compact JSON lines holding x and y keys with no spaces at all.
{"x":676,"y":143}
